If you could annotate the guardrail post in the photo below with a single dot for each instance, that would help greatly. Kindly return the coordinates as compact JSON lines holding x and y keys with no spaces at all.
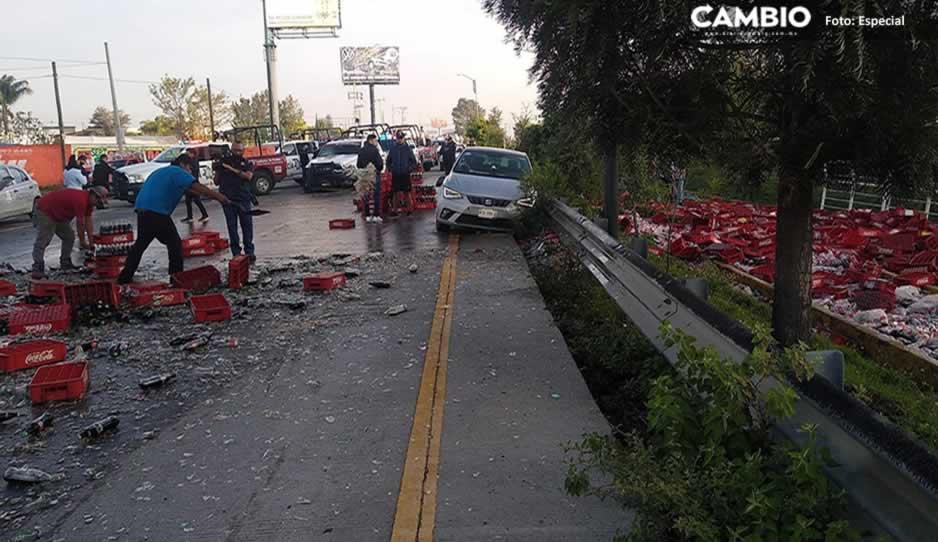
{"x":823,"y":196}
{"x":927,"y":206}
{"x":884,"y":205}
{"x":698,"y":287}
{"x":829,"y":365}
{"x":639,"y":246}
{"x":850,"y":203}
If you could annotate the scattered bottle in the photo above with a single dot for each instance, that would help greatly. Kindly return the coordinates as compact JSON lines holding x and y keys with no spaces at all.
{"x":40,"y":424}
{"x":6,"y":415}
{"x":100,"y":427}
{"x":29,"y":475}
{"x":156,"y":381}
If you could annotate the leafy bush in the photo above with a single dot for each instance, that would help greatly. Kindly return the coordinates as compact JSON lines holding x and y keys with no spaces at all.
{"x":706,"y":467}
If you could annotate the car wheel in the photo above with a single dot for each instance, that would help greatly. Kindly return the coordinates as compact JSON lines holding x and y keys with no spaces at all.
{"x":262,"y":183}
{"x":441,"y":227}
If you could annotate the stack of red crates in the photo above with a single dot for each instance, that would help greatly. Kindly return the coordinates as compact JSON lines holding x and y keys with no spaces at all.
{"x":239,"y":270}
{"x":7,"y":288}
{"x":109,"y":267}
{"x":203,"y":243}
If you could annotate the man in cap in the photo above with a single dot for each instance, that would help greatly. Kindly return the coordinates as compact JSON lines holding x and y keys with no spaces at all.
{"x":53,"y":216}
{"x":401,"y":162}
{"x":448,"y":154}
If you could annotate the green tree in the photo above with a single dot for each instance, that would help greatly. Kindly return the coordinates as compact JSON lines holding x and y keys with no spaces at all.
{"x":186,"y":105}
{"x":102,"y":122}
{"x":11,"y":91}
{"x":324,"y":122}
{"x":255,"y":111}
{"x":465,"y":111}
{"x":24,"y":129}
{"x":840,"y":96}
{"x":160,"y":125}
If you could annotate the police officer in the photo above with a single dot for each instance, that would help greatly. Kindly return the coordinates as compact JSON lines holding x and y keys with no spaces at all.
{"x":233,"y":174}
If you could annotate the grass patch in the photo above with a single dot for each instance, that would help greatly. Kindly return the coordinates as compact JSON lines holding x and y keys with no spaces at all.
{"x":907,"y":402}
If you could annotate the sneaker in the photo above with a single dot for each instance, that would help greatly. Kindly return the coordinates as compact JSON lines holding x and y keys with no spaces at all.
{"x":187,"y":220}
{"x":379,"y":220}
{"x":68,"y":267}
{"x":203,"y":219}
{"x":369,"y":219}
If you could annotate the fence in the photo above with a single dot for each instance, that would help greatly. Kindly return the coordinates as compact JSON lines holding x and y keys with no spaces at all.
{"x":865,"y":196}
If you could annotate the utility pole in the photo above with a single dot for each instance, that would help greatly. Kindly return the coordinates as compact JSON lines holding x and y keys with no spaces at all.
{"x":211,"y":113}
{"x":270,"y":51}
{"x":371,"y":96}
{"x":475,"y":92}
{"x":58,"y":107}
{"x":381,"y":100}
{"x":118,"y":129}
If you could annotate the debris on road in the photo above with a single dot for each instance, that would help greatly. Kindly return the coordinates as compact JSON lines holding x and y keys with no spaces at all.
{"x":40,"y":424}
{"x":395,"y":310}
{"x":156,"y":381}
{"x":100,"y":427}
{"x":379,"y":284}
{"x":413,"y":268}
{"x":29,"y":475}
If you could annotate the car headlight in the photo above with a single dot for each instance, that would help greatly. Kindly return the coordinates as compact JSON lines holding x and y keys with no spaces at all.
{"x":449,"y":193}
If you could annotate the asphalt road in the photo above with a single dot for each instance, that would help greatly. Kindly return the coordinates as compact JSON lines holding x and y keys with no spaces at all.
{"x":298,"y":224}
{"x":300,"y":429}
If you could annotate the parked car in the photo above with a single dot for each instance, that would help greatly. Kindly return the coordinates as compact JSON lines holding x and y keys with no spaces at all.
{"x":335,"y":165}
{"x":18,"y":192}
{"x":294,"y":151}
{"x":127,"y":186}
{"x":484,"y":190}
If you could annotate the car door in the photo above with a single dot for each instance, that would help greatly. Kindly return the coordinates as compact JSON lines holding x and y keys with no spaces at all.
{"x":7,"y":205}
{"x":25,"y":190}
{"x":294,"y":169}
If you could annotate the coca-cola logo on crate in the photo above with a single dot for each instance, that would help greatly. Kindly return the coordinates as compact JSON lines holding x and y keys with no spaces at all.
{"x":40,"y":357}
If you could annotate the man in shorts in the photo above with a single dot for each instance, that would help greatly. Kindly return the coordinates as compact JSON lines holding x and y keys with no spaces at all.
{"x":401,"y":162}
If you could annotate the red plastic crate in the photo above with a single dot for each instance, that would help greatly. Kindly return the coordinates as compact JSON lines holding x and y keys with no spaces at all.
{"x":107,"y":272}
{"x":39,"y":319}
{"x":158,"y":298}
{"x":342,"y":224}
{"x":93,"y":292}
{"x":424,"y":205}
{"x":146,"y":286}
{"x":323,"y":282}
{"x":210,"y":308}
{"x":200,"y":278}
{"x":47,"y":288}
{"x":196,"y":241}
{"x":221,"y":244}
{"x":32,"y":354}
{"x":202,"y":250}
{"x":916,"y":279}
{"x":239,"y":269}
{"x":874,"y":299}
{"x":61,"y":382}
{"x":7,"y":288}
{"x":114,"y":239}
{"x":209,"y":236}
{"x":110,"y":261}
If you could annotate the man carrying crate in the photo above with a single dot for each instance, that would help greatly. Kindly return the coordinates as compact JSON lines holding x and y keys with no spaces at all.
{"x":53,"y":216}
{"x":155,"y":203}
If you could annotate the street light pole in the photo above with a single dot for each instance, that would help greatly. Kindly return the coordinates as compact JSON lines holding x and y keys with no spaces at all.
{"x":475,"y":88}
{"x":118,"y":129}
{"x":270,"y":56}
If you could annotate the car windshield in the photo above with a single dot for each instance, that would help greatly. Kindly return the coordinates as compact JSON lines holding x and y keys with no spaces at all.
{"x":168,"y":155}
{"x":335,"y":150}
{"x":493,"y":164}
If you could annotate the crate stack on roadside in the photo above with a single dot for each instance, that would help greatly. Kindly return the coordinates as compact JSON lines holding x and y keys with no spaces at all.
{"x":111,"y":246}
{"x":203,"y":243}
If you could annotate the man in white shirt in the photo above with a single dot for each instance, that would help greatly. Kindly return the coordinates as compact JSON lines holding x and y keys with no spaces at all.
{"x":74,"y":177}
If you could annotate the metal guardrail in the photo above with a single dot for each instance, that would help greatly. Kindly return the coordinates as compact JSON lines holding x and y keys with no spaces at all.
{"x":863,"y":196}
{"x":896,"y":491}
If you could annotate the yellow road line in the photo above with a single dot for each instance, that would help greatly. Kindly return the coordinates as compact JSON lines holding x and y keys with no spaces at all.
{"x":416,"y":502}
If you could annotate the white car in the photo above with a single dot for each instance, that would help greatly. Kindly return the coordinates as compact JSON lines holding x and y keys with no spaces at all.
{"x":292,"y":151}
{"x":335,"y":165}
{"x":137,"y":173}
{"x":18,"y":192}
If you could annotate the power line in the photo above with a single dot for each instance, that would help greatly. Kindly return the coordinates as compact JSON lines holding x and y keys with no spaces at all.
{"x":105,"y":79}
{"x":34,"y":59}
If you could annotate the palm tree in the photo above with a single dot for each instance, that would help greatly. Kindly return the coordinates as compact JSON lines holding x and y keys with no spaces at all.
{"x":11,"y":90}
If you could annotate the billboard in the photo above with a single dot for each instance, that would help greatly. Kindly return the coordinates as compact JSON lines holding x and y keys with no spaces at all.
{"x":375,"y":65}
{"x":304,"y":14}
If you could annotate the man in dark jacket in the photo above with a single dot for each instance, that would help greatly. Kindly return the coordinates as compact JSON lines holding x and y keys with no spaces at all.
{"x":448,"y":154}
{"x":101,"y":175}
{"x":401,"y":162}
{"x":369,"y":154}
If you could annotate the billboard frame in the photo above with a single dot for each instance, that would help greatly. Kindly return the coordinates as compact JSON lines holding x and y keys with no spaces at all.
{"x":306,"y":32}
{"x":365,"y":82}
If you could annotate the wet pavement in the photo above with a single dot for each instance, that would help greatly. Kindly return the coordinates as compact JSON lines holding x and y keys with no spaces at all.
{"x":292,"y":421}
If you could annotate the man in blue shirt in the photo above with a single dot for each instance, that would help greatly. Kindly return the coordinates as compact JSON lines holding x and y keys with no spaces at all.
{"x":154,"y":207}
{"x":233,"y":175}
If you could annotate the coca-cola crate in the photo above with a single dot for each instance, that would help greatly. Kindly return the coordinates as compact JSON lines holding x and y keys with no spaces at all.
{"x":114,"y":238}
{"x":425,"y":205}
{"x":31,"y":354}
{"x":158,"y":298}
{"x":341,"y":223}
{"x":110,"y":261}
{"x":923,"y":258}
{"x":730,"y":256}
{"x":760,"y":252}
{"x":47,"y":288}
{"x":93,"y":292}
{"x":196,"y":241}
{"x":39,"y":319}
{"x":323,"y":282}
{"x":135,"y":288}
{"x":916,"y":279}
{"x":764,"y":272}
{"x":107,"y":272}
{"x":209,"y":236}
{"x":221,"y":244}
{"x":205,"y":249}
{"x":837,"y":292}
{"x":931,"y":242}
{"x":239,"y":269}
{"x":200,"y":278}
{"x":210,"y":308}
{"x":7,"y":288}
{"x":900,"y":242}
{"x":896,"y":264}
{"x":60,"y":382}
{"x":874,"y":299}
